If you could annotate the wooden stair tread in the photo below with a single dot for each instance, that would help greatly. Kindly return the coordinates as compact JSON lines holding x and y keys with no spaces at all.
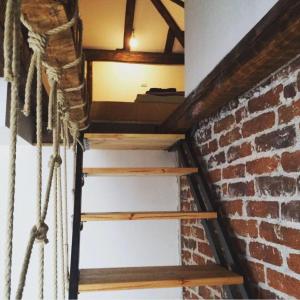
{"x":139,"y":171}
{"x":155,"y":277}
{"x":126,"y":141}
{"x":153,"y":215}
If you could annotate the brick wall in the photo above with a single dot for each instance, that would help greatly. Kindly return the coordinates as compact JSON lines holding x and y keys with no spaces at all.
{"x":251,"y":152}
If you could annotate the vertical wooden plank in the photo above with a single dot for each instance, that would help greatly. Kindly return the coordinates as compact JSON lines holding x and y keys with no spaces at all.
{"x":128,"y":27}
{"x":170,"y":41}
{"x":89,"y":80}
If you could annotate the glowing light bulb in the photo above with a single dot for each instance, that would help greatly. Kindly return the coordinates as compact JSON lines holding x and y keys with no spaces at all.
{"x":133,"y":43}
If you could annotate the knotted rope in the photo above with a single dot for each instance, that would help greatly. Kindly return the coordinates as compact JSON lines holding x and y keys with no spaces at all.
{"x":11,"y":74}
{"x":59,"y":122}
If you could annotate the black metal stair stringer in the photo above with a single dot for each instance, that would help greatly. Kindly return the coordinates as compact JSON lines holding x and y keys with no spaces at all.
{"x":78,"y":183}
{"x":216,"y":235}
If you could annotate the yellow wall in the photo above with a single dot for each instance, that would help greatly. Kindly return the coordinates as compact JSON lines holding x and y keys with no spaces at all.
{"x":122,"y":82}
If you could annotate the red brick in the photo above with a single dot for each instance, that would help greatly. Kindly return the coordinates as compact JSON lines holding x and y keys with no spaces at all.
{"x":198,"y":233}
{"x":236,"y":152}
{"x":216,"y":160}
{"x":258,"y":124}
{"x":269,"y":99}
{"x":209,"y":148}
{"x":263,"y":209}
{"x":291,"y":211}
{"x":289,"y":91}
{"x":214,"y":175}
{"x":185,"y":230}
{"x":236,"y":171}
{"x":240,"y":114}
{"x":186,"y":206}
{"x":239,"y":189}
{"x":244,"y":228}
{"x":224,"y":189}
{"x":275,"y":233}
{"x":185,"y":194}
{"x":203,"y":135}
{"x":276,"y":185}
{"x":278,"y":139}
{"x":183,"y":181}
{"x":283,"y":283}
{"x":230,"y":137}
{"x":266,"y":253}
{"x":199,"y":260}
{"x":205,"y":292}
{"x":291,"y":161}
{"x":262,"y":165}
{"x":204,"y":249}
{"x":224,"y":124}
{"x":293,"y":261}
{"x":188,"y":243}
{"x":240,"y":245}
{"x":287,"y":113}
{"x":265,"y":294}
{"x":232,"y":207}
{"x":186,"y":255}
{"x":255,"y":271}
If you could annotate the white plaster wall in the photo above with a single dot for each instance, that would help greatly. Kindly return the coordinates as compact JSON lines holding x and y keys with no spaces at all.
{"x":106,"y":244}
{"x":25,"y":217}
{"x":213,"y":28}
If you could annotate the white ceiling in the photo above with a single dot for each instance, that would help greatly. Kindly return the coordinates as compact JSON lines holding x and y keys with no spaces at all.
{"x":103,"y":22}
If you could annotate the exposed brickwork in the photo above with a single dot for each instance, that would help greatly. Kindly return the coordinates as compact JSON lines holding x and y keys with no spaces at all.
{"x":251,"y":152}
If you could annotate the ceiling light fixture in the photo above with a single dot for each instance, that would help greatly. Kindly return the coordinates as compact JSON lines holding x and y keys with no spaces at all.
{"x":133,"y":42}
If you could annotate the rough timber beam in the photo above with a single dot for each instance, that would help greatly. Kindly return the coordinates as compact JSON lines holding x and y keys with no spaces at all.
{"x":179,"y":34}
{"x":129,"y":19}
{"x":272,"y":42}
{"x":178,"y":2}
{"x":170,"y":41}
{"x":47,"y":14}
{"x":134,"y":57}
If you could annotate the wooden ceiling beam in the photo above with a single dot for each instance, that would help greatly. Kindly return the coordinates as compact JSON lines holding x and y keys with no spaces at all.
{"x":134,"y":57}
{"x":178,"y":2}
{"x":179,"y":34}
{"x":128,"y":27}
{"x":170,"y":41}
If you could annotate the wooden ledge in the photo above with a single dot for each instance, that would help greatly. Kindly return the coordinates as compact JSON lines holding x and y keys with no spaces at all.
{"x":139,"y":171}
{"x":127,"y":141}
{"x":109,"y":279}
{"x":153,"y":215}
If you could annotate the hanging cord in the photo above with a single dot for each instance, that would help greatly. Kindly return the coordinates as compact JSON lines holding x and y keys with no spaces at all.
{"x":11,"y":73}
{"x":58,"y":117}
{"x":38,"y":43}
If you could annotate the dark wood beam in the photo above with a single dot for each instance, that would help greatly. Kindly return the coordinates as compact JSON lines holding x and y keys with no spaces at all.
{"x":128,"y":27}
{"x":178,"y":2}
{"x":89,"y":81}
{"x":272,"y":43}
{"x":179,"y":34}
{"x":170,"y":41}
{"x":134,"y":57}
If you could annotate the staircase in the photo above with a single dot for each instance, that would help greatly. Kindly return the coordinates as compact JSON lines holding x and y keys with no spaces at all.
{"x":105,"y":279}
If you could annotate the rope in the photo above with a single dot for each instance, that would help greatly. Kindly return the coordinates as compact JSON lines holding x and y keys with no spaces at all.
{"x":11,"y":70}
{"x":58,"y":117}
